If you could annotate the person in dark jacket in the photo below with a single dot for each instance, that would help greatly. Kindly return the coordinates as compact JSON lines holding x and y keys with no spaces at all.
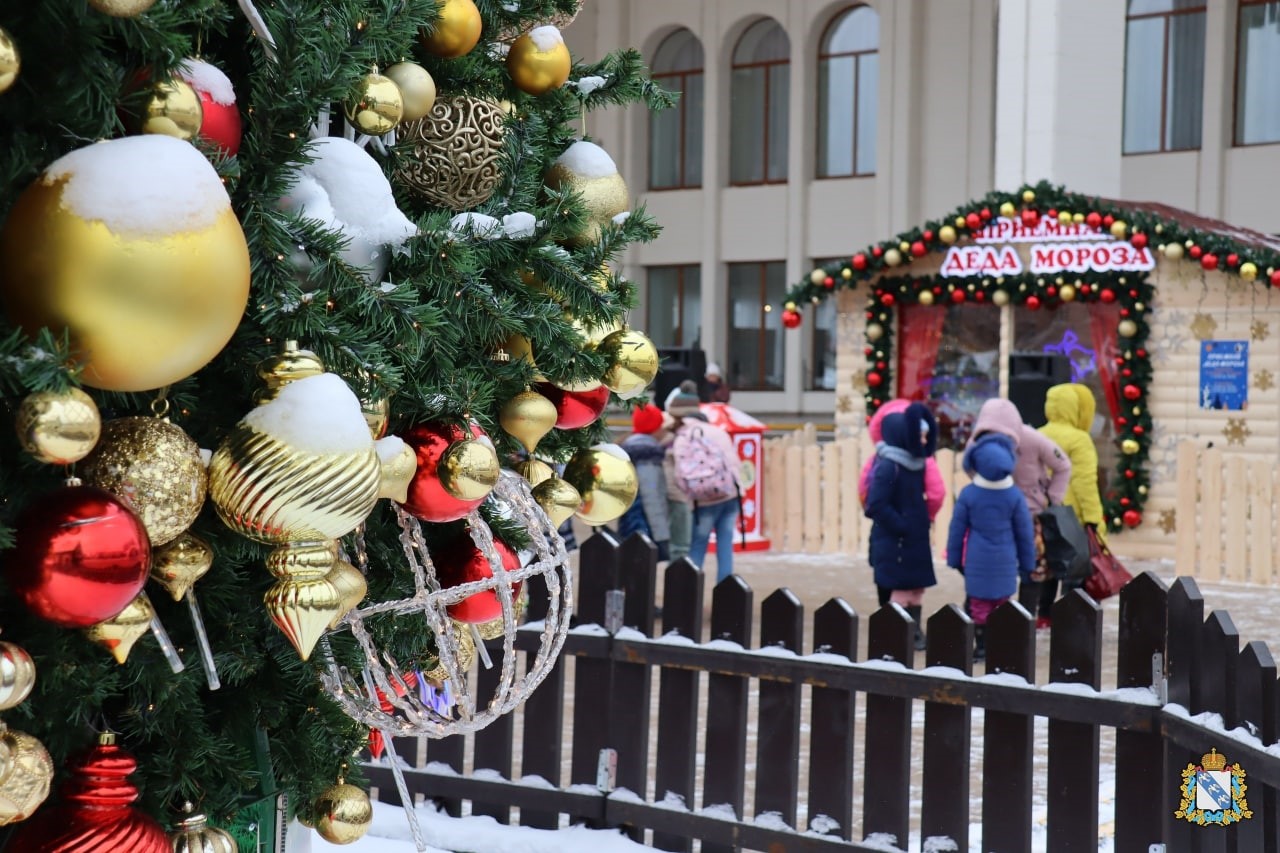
{"x":991,"y":539}
{"x":648,"y":514}
{"x":900,"y":553}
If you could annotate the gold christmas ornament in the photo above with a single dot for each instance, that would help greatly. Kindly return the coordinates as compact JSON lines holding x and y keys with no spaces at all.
{"x":1173,"y":251}
{"x":399,"y":464}
{"x":539,"y":61}
{"x":535,"y":471}
{"x":1129,"y":446}
{"x":179,"y":564}
{"x":118,"y":634}
{"x":586,"y":170}
{"x":10,"y":61}
{"x":925,"y":297}
{"x":497,"y":628}
{"x":1007,"y":210}
{"x":947,"y":234}
{"x":26,"y":775}
{"x":605,"y":478}
{"x":874,"y":332}
{"x":351,"y":586}
{"x":455,"y":32}
{"x":469,"y":469}
{"x":817,"y":276}
{"x":1127,"y":328}
{"x":435,"y":672}
{"x":58,"y":427}
{"x":131,"y":222}
{"x":452,"y":156}
{"x":1067,"y":293}
{"x":193,"y":834}
{"x":1248,"y":271}
{"x":1119,"y":229}
{"x":155,"y":468}
{"x":343,"y":812}
{"x":558,"y":499}
{"x":417,"y":88}
{"x":122,"y":8}
{"x":17,"y":675}
{"x":528,"y":416}
{"x":633,"y":360}
{"x":171,"y":108}
{"x":892,"y":258}
{"x":375,"y":106}
{"x":1028,"y":196}
{"x":1000,"y":298}
{"x":377,"y":413}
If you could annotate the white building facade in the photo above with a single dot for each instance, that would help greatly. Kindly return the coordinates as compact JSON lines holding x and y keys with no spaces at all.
{"x":810,"y":128}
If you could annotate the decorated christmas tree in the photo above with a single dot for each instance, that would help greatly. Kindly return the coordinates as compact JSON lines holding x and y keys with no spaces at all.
{"x":289,"y":291}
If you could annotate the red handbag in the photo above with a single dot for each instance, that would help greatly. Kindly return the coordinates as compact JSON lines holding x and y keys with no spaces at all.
{"x":1108,"y":575}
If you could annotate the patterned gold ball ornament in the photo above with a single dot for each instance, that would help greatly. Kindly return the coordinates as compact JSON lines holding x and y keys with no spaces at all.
{"x":605,"y":478}
{"x":179,"y":564}
{"x":10,"y":61}
{"x":558,"y":499}
{"x":452,"y":156}
{"x":375,"y":106}
{"x":455,"y":32}
{"x":122,"y":8}
{"x":528,"y":416}
{"x":193,"y":834}
{"x":154,"y":467}
{"x":58,"y":427}
{"x":539,"y":61}
{"x":343,"y":813}
{"x":417,"y":88}
{"x":633,"y":361}
{"x":1127,"y":328}
{"x":119,"y":633}
{"x":1130,"y":446}
{"x":587,"y":170}
{"x":17,"y":675}
{"x":170,"y":108}
{"x":25,"y":777}
{"x":351,"y":586}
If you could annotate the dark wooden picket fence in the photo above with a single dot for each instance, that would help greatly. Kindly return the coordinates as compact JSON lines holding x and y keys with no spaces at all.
{"x":1173,"y":666}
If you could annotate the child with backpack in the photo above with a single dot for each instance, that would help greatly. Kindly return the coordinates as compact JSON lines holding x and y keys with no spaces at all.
{"x":706,"y":469}
{"x":991,"y":540}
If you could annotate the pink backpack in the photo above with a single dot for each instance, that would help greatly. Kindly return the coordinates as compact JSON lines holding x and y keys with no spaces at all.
{"x":702,"y":472}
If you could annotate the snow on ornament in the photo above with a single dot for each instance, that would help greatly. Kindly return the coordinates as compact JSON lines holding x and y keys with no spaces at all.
{"x":587,"y":170}
{"x":221,"y":122}
{"x":345,"y":190}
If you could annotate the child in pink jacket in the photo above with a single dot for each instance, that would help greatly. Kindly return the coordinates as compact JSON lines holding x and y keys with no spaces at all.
{"x":935,"y":490}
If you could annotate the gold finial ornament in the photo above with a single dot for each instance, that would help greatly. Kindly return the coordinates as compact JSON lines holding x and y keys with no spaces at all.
{"x":534,"y":470}
{"x":528,"y":416}
{"x":17,"y":675}
{"x":119,"y":633}
{"x":182,"y":562}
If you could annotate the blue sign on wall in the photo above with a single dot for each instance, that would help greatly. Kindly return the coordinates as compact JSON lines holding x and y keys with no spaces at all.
{"x":1224,"y":374}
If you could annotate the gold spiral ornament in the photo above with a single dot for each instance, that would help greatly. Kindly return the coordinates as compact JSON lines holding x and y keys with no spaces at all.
{"x":452,"y":156}
{"x":178,"y":565}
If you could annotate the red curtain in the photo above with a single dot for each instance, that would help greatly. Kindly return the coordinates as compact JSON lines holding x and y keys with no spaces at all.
{"x":919,"y":336}
{"x":1103,"y":322}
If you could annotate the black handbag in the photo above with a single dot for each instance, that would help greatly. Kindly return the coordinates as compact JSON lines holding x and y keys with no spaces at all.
{"x":1066,"y":545}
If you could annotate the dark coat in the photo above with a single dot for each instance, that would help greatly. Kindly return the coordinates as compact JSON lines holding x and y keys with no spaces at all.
{"x":900,"y":553}
{"x":991,"y":533}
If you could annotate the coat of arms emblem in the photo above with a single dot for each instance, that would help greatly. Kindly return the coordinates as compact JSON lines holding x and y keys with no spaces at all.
{"x":1213,"y":792}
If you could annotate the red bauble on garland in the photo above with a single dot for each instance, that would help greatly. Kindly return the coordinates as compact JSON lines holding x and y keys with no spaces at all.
{"x":81,"y":556}
{"x":433,"y":495}
{"x":1107,"y":295}
{"x":1030,"y":217}
{"x":792,"y":319}
{"x":1132,"y":392}
{"x":887,"y":300}
{"x":576,"y":409}
{"x":1275,"y":278}
{"x":1195,"y":252}
{"x":1209,"y":261}
{"x":957,"y":296}
{"x":1132,"y":518}
{"x":221,"y":122}
{"x":1139,"y":240}
{"x":918,"y":249}
{"x":459,"y":562}
{"x":974,"y":221}
{"x":1033,"y":302}
{"x":859,"y":261}
{"x":1093,"y":220}
{"x":874,"y":380}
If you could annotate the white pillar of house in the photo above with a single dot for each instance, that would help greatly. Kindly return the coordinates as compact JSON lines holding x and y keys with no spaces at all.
{"x":1060,"y":93}
{"x":715,"y":174}
{"x":1217,"y":131}
{"x":800,"y":169}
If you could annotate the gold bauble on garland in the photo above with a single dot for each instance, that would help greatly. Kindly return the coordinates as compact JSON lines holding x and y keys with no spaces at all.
{"x":528,"y":416}
{"x":605,"y":478}
{"x":193,"y":834}
{"x":25,"y":777}
{"x":455,"y":32}
{"x":892,"y":258}
{"x":122,"y":8}
{"x":375,"y":106}
{"x":10,"y":61}
{"x":58,"y":427}
{"x":417,"y":88}
{"x":17,"y":675}
{"x":539,"y":61}
{"x":633,"y":364}
{"x":118,"y":634}
{"x":875,"y":332}
{"x":1130,"y":446}
{"x":452,"y":156}
{"x":343,"y":813}
{"x":181,"y":563}
{"x":1000,"y":298}
{"x":925,"y":297}
{"x":1067,"y":293}
{"x":469,"y":469}
{"x":1127,"y":328}
{"x":587,"y":170}
{"x":558,"y":499}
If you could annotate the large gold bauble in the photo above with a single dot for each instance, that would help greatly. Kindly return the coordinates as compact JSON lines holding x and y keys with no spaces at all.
{"x":539,"y":61}
{"x":155,"y":468}
{"x":874,"y":332}
{"x":58,"y":427}
{"x":452,"y":157}
{"x":375,"y":106}
{"x":455,"y":32}
{"x":170,"y":108}
{"x":17,"y":675}
{"x":10,"y":62}
{"x":606,"y":480}
{"x":469,"y":469}
{"x":634,"y":362}
{"x":343,"y":814}
{"x":417,"y":88}
{"x":1067,"y":293}
{"x":1000,"y":298}
{"x":181,"y":563}
{"x":351,"y":586}
{"x":122,"y":8}
{"x":1127,"y":328}
{"x":528,"y":416}
{"x":558,"y":499}
{"x":604,"y":194}
{"x":26,"y":776}
{"x":535,"y":471}
{"x":118,"y":634}
{"x":194,"y":835}
{"x":143,"y":310}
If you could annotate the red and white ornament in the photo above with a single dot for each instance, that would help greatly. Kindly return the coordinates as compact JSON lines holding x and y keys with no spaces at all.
{"x":221,"y":124}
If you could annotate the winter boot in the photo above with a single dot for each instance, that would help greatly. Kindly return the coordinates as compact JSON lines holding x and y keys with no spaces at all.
{"x":914,"y":612}
{"x":979,"y":643}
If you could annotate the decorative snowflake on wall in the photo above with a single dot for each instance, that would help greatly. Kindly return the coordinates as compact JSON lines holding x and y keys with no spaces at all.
{"x":1168,"y":521}
{"x":1260,"y":330}
{"x":1203,"y":326}
{"x":1264,"y":380}
{"x":1168,"y":335}
{"x":1236,"y":430}
{"x":844,"y":405}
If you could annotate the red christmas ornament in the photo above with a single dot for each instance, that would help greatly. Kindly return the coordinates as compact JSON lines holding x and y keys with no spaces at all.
{"x":1141,"y":353}
{"x":917,"y":249}
{"x":1051,"y":291}
{"x":866,"y":350}
{"x":877,"y":402}
{"x":221,"y":122}
{"x":874,"y":379}
{"x":1125,"y":502}
{"x":859,"y":261}
{"x":887,"y":300}
{"x":957,"y":296}
{"x":1233,"y":259}
{"x":1195,"y":252}
{"x":1093,"y":220}
{"x":985,"y":213}
{"x":1129,"y":473}
{"x":828,"y":282}
{"x":877,"y":251}
{"x":1132,"y":392}
{"x":880,"y":365}
{"x":1033,"y":303}
{"x":1122,"y":420}
{"x":1119,"y":361}
{"x":94,"y":813}
{"x":974,"y":221}
{"x":1138,"y":430}
{"x":1052,"y":213}
{"x":1209,"y":261}
{"x":1108,"y":221}
{"x":1030,"y":217}
{"x":1126,"y":373}
{"x":1133,"y":292}
{"x":576,"y":409}
{"x":461,"y":562}
{"x":1084,"y":290}
{"x":928,"y":236}
{"x":1275,"y":279}
{"x":80,"y":558}
{"x":1107,"y":295}
{"x":1124,"y":312}
{"x":429,"y":500}
{"x":1132,"y":518}
{"x":790,"y":319}
{"x":980,"y":296}
{"x":1139,"y":240}
{"x":937,"y":291}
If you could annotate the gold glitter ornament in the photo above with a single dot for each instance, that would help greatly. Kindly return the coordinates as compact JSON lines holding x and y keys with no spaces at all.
{"x":122,"y":8}
{"x":585,"y":169}
{"x":633,"y":360}
{"x":455,"y":32}
{"x":539,"y":61}
{"x":17,"y":675}
{"x":25,"y":777}
{"x":605,"y":478}
{"x":179,"y":564}
{"x":193,"y":834}
{"x":376,"y":105}
{"x":10,"y":61}
{"x":343,"y":813}
{"x":417,"y":88}
{"x":452,"y":157}
{"x":155,"y":468}
{"x":535,"y":471}
{"x":58,"y":427}
{"x":528,"y":416}
{"x":558,"y":499}
{"x":119,"y":633}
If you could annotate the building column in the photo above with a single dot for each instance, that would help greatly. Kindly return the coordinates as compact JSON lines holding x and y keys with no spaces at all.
{"x":800,"y":155}
{"x":898,"y":139}
{"x":715,"y":175}
{"x":1217,"y":130}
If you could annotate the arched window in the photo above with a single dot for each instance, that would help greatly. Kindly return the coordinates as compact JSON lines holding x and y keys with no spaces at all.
{"x":675,"y":135}
{"x":758,"y":105}
{"x":1163,"y":75}
{"x":848,"y":93}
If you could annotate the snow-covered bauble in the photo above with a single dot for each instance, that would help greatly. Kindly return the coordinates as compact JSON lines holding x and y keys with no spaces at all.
{"x":221,"y":122}
{"x":587,"y":169}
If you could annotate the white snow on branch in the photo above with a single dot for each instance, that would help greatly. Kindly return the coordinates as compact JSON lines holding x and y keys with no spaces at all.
{"x":589,"y":84}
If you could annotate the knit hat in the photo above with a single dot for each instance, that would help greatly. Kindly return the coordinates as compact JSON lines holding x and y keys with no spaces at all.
{"x":647,"y":419}
{"x":684,"y":405}
{"x":713,"y":369}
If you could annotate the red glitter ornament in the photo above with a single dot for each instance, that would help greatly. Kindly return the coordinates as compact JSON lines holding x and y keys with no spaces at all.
{"x":460,"y":562}
{"x":429,"y":500}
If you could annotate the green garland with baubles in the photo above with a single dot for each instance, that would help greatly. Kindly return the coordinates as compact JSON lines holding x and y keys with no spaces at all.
{"x":1131,"y":291}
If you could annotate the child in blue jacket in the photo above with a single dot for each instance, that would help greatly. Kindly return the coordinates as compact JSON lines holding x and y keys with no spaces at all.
{"x":991,"y":540}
